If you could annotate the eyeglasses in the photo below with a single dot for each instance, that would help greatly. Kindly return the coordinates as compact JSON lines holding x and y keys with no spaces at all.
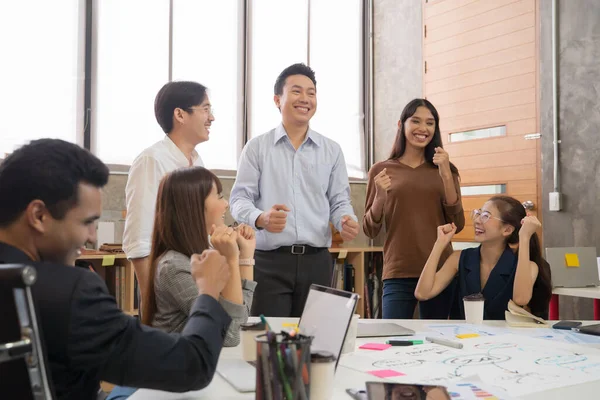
{"x":207,"y":109}
{"x":484,"y":216}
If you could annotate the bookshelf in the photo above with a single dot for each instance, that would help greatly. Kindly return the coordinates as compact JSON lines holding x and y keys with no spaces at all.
{"x":102,"y":261}
{"x":353,"y":255}
{"x":356,"y":256}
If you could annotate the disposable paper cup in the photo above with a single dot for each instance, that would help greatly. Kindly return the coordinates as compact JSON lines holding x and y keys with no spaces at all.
{"x":474,"y":309}
{"x":322,"y":372}
{"x":248,"y":332}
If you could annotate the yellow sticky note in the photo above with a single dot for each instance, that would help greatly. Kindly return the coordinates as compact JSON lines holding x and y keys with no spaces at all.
{"x":572,"y":260}
{"x":467,"y":335}
{"x":343,"y":254}
{"x":289,"y":325}
{"x":108,"y":261}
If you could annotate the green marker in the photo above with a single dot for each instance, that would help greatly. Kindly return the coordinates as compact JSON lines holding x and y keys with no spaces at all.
{"x":404,"y":342}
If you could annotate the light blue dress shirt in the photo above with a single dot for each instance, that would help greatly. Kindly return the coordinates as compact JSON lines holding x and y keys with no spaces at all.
{"x":311,"y":181}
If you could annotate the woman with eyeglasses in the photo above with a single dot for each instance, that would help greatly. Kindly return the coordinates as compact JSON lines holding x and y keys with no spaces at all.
{"x":412,"y":193}
{"x":507,"y":265}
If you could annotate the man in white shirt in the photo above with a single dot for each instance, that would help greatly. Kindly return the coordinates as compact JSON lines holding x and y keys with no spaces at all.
{"x":184,"y":113}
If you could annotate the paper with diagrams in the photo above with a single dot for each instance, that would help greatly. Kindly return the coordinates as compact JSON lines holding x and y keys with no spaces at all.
{"x":517,"y":364}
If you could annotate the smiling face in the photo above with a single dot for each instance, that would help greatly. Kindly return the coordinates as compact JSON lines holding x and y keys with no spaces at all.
{"x":298,"y":102}
{"x":61,"y":240}
{"x":215,"y":207}
{"x":489,"y":225}
{"x":196,"y":121}
{"x":419,"y":128}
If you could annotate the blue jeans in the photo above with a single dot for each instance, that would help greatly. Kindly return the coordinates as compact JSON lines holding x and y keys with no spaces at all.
{"x":121,"y":393}
{"x":399,"y":300}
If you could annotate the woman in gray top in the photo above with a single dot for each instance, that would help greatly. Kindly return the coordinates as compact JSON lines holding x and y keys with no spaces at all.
{"x":190,"y":212}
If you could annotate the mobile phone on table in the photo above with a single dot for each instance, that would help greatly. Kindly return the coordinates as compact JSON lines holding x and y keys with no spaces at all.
{"x":566,"y":325}
{"x":357,"y":394}
{"x":405,"y":391}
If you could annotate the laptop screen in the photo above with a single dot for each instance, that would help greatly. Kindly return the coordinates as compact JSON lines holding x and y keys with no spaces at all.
{"x":326,"y":316}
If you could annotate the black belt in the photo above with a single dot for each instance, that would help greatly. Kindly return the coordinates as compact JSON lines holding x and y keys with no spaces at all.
{"x":299,"y":249}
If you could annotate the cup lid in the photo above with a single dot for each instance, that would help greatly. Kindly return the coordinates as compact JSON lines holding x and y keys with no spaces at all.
{"x":474,"y":297}
{"x":253,"y":326}
{"x":321,"y":357}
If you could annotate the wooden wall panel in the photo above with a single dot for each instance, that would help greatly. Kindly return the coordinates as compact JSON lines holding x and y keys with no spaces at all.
{"x":490,"y":74}
{"x":498,"y":174}
{"x":465,"y":11}
{"x":482,"y":48}
{"x":475,"y":92}
{"x":499,"y":14}
{"x":488,"y":103}
{"x":481,"y":68}
{"x":489,"y":60}
{"x":486,"y":32}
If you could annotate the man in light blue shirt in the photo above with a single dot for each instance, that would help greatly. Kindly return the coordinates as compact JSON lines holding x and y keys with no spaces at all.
{"x":291,"y":182}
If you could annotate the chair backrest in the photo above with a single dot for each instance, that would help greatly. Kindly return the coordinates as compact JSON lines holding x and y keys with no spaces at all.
{"x":23,"y":364}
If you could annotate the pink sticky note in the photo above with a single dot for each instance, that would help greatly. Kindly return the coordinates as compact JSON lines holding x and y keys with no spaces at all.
{"x":386,"y":373}
{"x":375,"y":346}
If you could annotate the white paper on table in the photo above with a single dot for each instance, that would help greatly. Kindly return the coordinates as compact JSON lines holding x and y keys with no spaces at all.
{"x":517,"y":363}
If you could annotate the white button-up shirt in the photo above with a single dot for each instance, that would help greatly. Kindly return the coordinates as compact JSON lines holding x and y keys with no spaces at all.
{"x":142,"y":187}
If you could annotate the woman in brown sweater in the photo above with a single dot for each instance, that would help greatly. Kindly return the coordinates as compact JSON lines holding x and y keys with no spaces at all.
{"x":413,"y":192}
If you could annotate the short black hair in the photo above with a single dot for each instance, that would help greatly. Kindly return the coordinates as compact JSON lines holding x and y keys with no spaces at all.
{"x":178,"y":94}
{"x":49,"y":170}
{"x":295,"y":69}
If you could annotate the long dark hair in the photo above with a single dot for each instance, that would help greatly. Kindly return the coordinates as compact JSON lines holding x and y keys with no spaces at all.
{"x":400,"y":141}
{"x":512,"y":212}
{"x":179,"y":222}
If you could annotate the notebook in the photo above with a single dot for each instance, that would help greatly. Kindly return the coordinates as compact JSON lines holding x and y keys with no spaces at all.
{"x":518,"y":317}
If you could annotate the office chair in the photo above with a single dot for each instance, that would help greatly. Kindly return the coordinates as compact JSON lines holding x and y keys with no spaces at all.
{"x":23,"y":365}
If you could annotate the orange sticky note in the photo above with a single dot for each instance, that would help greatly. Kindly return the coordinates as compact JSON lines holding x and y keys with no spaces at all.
{"x":572,"y":260}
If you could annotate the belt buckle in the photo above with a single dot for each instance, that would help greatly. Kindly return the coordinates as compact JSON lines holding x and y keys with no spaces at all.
{"x":298,"y":252}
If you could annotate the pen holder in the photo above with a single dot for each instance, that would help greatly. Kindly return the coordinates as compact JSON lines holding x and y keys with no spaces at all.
{"x":283,"y":367}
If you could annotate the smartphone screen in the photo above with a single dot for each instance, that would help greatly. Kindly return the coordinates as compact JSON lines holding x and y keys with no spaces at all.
{"x":405,"y":391}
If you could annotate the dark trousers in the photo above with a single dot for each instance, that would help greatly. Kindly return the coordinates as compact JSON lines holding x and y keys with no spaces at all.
{"x":399,"y":300}
{"x":284,"y":279}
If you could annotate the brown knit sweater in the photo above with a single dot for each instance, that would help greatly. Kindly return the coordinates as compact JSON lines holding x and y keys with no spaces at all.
{"x":414,"y":208}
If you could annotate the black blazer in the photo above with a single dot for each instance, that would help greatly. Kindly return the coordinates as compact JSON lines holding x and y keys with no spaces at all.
{"x":88,"y":338}
{"x":498,"y":288}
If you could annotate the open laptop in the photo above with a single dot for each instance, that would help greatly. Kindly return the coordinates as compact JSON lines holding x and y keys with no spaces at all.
{"x":573,"y":267}
{"x":326,"y":316}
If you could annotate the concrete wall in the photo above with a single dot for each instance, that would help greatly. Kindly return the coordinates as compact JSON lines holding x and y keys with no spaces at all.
{"x":578,"y":224}
{"x":398,"y":70}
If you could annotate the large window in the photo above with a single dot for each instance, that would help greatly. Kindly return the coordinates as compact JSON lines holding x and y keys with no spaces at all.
{"x":278,"y":39}
{"x":41,"y":73}
{"x":328,"y":36}
{"x":336,"y":55}
{"x":131,"y":65}
{"x":208,"y":48}
{"x":92,"y":75}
